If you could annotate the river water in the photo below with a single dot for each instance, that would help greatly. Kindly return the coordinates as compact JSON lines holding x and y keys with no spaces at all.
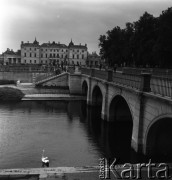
{"x":70,"y":133}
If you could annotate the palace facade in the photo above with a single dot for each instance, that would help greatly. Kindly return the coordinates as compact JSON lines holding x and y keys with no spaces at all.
{"x":53,"y":53}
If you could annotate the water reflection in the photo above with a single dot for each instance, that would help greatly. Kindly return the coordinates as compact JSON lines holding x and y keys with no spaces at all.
{"x":72,"y":134}
{"x":113,"y":140}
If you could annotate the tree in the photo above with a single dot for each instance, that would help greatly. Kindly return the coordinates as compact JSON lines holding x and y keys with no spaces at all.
{"x":144,"y":39}
{"x":128,"y":49}
{"x":146,"y":42}
{"x":163,"y":46}
{"x":111,"y":46}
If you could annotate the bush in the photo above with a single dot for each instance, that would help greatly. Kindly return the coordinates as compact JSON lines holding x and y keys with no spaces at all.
{"x":10,"y":94}
{"x":5,"y":81}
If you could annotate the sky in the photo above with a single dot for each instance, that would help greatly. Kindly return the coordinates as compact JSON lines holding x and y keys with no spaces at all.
{"x":83,"y":21}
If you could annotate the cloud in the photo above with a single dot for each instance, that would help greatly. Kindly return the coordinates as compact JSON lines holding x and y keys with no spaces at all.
{"x":61,"y":20}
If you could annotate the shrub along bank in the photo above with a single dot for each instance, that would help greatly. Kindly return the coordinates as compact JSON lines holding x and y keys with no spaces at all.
{"x":10,"y":94}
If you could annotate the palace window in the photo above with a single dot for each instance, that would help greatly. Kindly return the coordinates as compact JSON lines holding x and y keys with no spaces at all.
{"x":30,"y":55}
{"x":82,"y":56}
{"x":73,"y":56}
{"x":77,"y":56}
{"x":35,"y":54}
{"x":24,"y":54}
{"x":30,"y":61}
{"x":35,"y":61}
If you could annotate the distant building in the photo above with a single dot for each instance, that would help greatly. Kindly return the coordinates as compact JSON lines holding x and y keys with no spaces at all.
{"x":93,"y":60}
{"x":30,"y":52}
{"x":53,"y":53}
{"x":1,"y":59}
{"x":11,"y":57}
{"x":77,"y":54}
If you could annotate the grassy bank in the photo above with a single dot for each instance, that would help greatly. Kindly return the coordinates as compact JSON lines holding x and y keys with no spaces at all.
{"x":10,"y":94}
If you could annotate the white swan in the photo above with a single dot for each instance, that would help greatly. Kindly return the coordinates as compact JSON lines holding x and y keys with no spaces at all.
{"x":44,"y":159}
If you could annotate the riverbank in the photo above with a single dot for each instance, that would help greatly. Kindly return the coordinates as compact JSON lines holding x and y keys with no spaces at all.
{"x":32,"y":93}
{"x":83,"y":173}
{"x":28,"y":88}
{"x":60,"y":173}
{"x":29,"y":97}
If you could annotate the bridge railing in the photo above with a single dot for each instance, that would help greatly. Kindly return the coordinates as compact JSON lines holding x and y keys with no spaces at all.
{"x":44,"y":76}
{"x":161,"y":85}
{"x":101,"y":74}
{"x":86,"y":71}
{"x":131,"y":80}
{"x":139,"y":82}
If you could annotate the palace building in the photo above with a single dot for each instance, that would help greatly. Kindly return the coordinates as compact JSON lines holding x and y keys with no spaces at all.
{"x":93,"y":60}
{"x":53,"y":53}
{"x":10,"y":57}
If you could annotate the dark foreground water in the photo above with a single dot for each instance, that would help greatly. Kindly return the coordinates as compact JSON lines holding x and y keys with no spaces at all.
{"x":70,"y":133}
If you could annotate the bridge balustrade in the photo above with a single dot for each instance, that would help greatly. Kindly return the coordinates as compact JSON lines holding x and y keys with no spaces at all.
{"x":86,"y":71}
{"x":42,"y":77}
{"x":101,"y":74}
{"x":130,"y":80}
{"x":161,"y":85}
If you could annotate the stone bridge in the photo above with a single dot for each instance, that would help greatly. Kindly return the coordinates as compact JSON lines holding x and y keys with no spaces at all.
{"x":143,"y":100}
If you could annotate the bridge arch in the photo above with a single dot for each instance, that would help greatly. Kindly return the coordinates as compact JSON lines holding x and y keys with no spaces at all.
{"x":84,"y":88}
{"x":97,"y":96}
{"x":157,"y":141}
{"x":119,"y":110}
{"x":120,"y":118}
